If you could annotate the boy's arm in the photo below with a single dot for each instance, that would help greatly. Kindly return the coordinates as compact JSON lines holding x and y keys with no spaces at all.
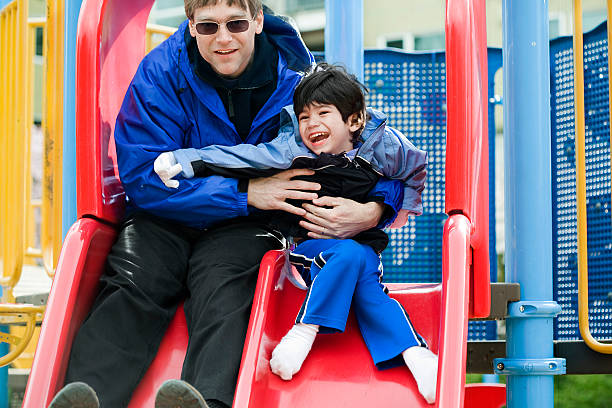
{"x":240,"y":161}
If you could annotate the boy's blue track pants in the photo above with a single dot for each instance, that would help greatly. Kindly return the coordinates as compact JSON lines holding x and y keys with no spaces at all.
{"x":345,"y":273}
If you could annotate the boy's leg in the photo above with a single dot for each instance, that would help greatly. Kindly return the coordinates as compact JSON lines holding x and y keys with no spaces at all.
{"x":140,"y":290}
{"x":334,"y":272}
{"x":222,"y":277}
{"x":332,"y":268}
{"x":388,"y":332}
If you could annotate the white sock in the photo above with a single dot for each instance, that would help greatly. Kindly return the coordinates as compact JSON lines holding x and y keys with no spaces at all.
{"x":290,"y":353}
{"x":423,"y":365}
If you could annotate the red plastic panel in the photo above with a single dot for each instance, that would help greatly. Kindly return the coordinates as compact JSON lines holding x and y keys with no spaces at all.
{"x":454,"y":320}
{"x":339,"y":371}
{"x":73,"y":291}
{"x":467,"y":167}
{"x":110,"y":45}
{"x":485,"y":395}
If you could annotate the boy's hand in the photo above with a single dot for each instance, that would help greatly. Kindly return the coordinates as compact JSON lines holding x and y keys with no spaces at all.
{"x":270,"y":193}
{"x":166,"y":168}
{"x":346,"y":218}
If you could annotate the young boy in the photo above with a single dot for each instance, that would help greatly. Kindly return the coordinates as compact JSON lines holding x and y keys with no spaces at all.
{"x":349,"y":154}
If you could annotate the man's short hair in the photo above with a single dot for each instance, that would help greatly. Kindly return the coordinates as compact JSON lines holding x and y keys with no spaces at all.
{"x":332,"y":85}
{"x":253,"y":6}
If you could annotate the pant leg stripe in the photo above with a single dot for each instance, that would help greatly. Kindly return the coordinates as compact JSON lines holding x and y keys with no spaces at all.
{"x":420,"y":341}
{"x":300,"y":260}
{"x":320,"y":261}
{"x":304,"y":308}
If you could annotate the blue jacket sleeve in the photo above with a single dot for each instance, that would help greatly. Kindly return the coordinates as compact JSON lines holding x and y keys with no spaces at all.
{"x":276,"y":154}
{"x":153,"y":120}
{"x":391,"y":193}
{"x":397,"y":158}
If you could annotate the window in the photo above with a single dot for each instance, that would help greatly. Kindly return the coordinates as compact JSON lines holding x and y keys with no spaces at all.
{"x":403,"y":41}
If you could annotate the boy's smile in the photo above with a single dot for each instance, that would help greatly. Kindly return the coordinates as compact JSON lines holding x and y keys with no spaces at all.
{"x":323,"y":130}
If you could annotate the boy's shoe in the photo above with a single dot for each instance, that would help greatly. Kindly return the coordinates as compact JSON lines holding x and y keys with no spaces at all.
{"x":178,"y":394}
{"x":75,"y":395}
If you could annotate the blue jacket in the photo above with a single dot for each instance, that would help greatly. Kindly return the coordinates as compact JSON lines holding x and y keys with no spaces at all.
{"x":389,"y":152}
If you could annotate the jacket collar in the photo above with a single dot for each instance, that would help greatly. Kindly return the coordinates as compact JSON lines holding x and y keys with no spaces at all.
{"x":287,"y":80}
{"x":259,"y":72}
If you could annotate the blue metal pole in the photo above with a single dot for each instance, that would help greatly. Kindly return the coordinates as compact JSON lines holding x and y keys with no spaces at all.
{"x":529,"y":361}
{"x":69,"y":212}
{"x":344,"y":34}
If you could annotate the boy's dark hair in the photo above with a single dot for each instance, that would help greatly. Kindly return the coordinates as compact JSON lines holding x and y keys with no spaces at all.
{"x":332,"y":85}
{"x":253,"y":6}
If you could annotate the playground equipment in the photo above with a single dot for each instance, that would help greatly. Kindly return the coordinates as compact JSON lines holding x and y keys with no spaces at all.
{"x":105,"y":31}
{"x":106,"y":27}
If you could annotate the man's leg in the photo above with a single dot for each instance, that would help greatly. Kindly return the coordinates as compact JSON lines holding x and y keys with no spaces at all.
{"x":222,"y":276}
{"x":140,"y":290}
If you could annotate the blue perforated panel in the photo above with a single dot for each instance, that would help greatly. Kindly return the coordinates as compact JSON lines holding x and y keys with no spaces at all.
{"x":411,"y":90}
{"x":565,"y":268}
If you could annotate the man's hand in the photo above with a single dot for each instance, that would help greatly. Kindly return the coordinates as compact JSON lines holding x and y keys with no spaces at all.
{"x":270,"y":193}
{"x":166,"y":168}
{"x":346,"y":218}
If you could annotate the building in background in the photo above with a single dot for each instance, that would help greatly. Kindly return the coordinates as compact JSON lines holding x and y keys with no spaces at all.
{"x":408,"y":25}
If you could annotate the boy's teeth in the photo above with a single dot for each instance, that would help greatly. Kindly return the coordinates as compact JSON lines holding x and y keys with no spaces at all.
{"x":317,"y":137}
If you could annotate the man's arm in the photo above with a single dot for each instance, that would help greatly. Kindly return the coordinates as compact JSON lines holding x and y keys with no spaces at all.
{"x":151,"y":121}
{"x":335,"y":217}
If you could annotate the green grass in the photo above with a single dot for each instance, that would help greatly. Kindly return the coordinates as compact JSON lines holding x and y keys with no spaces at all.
{"x":588,"y":391}
{"x":574,"y":391}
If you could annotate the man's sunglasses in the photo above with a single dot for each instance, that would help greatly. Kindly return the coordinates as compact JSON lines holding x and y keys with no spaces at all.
{"x":233,"y":26}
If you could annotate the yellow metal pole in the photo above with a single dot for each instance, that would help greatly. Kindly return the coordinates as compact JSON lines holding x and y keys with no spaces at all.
{"x":13,"y":245}
{"x":29,"y":69}
{"x":583,"y":271}
{"x":4,"y":129}
{"x":51,"y":228}
{"x":32,"y":250}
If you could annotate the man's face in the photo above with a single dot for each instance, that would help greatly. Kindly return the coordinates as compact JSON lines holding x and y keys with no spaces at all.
{"x":323,"y":131}
{"x":228,"y":53}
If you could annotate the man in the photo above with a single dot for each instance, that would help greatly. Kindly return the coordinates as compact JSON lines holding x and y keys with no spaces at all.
{"x":222,"y":78}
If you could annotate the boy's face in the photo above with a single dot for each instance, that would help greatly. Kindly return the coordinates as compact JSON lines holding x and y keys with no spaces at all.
{"x":323,"y":130}
{"x":228,"y":53}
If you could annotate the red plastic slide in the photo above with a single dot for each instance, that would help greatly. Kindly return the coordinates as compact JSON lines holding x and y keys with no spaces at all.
{"x":339,"y":372}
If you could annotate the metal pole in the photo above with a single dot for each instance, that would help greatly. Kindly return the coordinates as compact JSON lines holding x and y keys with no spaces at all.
{"x":344,"y":34}
{"x":69,"y":211}
{"x":529,"y":362}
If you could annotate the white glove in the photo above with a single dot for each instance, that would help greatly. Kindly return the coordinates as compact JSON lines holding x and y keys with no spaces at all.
{"x":166,"y":168}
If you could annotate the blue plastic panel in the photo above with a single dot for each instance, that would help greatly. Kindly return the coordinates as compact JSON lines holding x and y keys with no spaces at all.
{"x":565,"y":268}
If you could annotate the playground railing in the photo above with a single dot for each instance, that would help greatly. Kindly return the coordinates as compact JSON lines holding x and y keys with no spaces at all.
{"x":17,"y":214}
{"x":581,"y":189}
{"x":156,"y":34}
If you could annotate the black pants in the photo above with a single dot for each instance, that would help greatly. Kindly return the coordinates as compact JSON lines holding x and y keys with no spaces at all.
{"x":153,"y":266}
